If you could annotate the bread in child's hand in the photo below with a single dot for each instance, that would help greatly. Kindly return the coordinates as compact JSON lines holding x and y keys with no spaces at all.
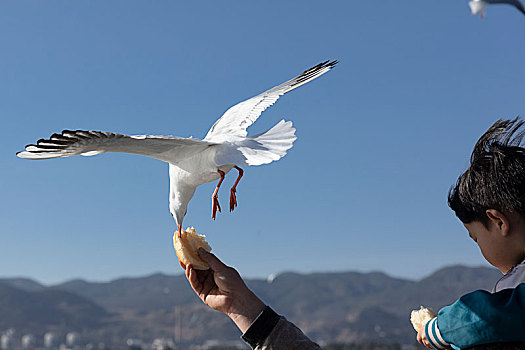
{"x":187,"y":245}
{"x":419,"y":318}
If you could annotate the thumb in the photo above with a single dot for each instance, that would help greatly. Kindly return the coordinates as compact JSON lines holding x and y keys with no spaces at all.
{"x":212,"y":260}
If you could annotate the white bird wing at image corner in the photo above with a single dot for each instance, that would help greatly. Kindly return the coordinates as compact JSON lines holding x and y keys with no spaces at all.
{"x":192,"y":161}
{"x":479,"y":6}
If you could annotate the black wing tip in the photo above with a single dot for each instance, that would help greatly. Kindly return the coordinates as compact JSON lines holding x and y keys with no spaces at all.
{"x":326,"y":64}
{"x":19,"y":155}
{"x":58,"y":141}
{"x":314,"y":71}
{"x":73,"y":132}
{"x":44,"y":148}
{"x":332,"y":64}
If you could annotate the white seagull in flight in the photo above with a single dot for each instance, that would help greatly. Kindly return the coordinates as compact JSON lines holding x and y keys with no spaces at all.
{"x":479,"y":6}
{"x":193,"y":162}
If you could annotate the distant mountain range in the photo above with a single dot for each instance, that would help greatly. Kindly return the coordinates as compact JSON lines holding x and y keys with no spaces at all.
{"x":329,"y":307}
{"x":29,"y":309}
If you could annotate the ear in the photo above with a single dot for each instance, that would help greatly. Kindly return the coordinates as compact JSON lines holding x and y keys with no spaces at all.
{"x":500,"y":220}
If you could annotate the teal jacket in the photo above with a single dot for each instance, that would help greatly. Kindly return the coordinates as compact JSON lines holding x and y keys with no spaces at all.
{"x":478,"y":318}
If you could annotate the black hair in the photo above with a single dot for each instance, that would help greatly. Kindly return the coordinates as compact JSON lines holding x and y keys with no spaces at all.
{"x":495,"y":178}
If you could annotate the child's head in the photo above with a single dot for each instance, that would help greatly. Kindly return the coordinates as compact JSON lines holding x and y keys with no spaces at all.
{"x":489,"y":197}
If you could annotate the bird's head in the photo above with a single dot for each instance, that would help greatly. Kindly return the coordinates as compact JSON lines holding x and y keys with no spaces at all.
{"x":478,"y":7}
{"x":179,"y":200}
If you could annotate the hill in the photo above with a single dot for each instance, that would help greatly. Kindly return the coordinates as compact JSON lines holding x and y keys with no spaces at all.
{"x":23,"y":283}
{"x":30,"y":311}
{"x":329,"y":307}
{"x":155,"y":292}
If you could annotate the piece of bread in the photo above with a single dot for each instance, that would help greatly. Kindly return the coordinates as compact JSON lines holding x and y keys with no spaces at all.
{"x":187,"y":245}
{"x":419,"y":318}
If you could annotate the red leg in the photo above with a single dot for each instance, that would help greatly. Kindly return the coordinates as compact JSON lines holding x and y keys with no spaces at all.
{"x":179,"y":227}
{"x":214,"y":198}
{"x":233,"y":197}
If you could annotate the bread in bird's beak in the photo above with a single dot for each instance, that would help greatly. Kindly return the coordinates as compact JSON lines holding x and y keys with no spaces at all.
{"x":187,"y":246}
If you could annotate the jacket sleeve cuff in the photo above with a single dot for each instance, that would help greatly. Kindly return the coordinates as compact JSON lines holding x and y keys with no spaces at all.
{"x":261,"y":327}
{"x":434,"y":336}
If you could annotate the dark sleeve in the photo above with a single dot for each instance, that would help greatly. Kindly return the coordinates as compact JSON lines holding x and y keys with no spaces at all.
{"x":273,"y":332}
{"x":261,"y":327}
{"x":480,"y":318}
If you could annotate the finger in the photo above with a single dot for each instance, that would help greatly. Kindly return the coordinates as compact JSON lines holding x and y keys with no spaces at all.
{"x":425,"y":342}
{"x":208,"y":285}
{"x":182,"y":265}
{"x":212,"y":260}
{"x":422,"y":338}
{"x":194,"y":282}
{"x":419,"y":337}
{"x":204,"y":280}
{"x":188,"y":269}
{"x":202,"y":275}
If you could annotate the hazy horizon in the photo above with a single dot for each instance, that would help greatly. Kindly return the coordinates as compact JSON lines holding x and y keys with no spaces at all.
{"x":181,"y":273}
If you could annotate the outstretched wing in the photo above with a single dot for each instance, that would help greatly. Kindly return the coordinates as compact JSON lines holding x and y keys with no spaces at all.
{"x":515,"y":3}
{"x":88,"y":143}
{"x":519,"y":5}
{"x":237,"y":119}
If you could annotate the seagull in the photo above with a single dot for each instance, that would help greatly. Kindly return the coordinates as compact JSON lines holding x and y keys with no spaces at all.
{"x":479,"y":6}
{"x":193,"y":162}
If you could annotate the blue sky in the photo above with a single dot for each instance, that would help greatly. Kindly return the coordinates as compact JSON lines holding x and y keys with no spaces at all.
{"x":381,"y":138}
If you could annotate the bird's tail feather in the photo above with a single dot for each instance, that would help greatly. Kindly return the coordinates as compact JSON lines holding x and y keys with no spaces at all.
{"x":270,"y":145}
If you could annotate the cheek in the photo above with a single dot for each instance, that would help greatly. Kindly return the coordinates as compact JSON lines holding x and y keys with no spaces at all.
{"x":493,"y":253}
{"x":486,"y":251}
{"x":486,"y":254}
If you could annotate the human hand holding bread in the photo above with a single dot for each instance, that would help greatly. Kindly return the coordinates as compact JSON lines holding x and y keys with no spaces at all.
{"x":419,"y":319}
{"x":219,"y":286}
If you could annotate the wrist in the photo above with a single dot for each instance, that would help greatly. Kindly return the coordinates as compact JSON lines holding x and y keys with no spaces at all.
{"x":245,"y":309}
